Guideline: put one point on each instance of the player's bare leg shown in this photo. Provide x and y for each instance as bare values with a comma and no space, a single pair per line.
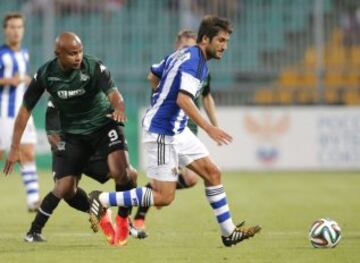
186,179
230,234
162,194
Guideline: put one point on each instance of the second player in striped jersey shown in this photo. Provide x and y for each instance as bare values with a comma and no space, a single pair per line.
14,64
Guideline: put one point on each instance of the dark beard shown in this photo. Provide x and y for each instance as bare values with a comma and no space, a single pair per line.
211,54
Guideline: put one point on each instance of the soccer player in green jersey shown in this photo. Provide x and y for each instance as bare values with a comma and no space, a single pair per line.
90,110
97,169
186,177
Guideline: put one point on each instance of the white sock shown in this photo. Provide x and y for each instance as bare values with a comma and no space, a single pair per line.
141,196
31,183
217,199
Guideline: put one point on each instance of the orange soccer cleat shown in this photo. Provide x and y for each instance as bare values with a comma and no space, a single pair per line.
121,231
139,224
106,226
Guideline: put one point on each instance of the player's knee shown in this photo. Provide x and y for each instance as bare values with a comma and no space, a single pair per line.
214,174
186,180
191,181
66,193
69,194
132,174
120,176
64,190
166,199
27,155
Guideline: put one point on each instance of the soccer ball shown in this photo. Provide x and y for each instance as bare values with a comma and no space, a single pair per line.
324,233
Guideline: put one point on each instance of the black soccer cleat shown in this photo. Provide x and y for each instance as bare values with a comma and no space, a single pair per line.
32,237
97,210
242,223
239,234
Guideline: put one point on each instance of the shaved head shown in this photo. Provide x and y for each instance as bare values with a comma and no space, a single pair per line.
67,40
69,50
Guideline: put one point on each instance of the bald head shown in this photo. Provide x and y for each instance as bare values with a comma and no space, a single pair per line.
69,50
67,40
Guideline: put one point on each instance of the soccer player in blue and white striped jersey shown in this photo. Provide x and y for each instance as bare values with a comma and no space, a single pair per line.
186,177
170,144
14,61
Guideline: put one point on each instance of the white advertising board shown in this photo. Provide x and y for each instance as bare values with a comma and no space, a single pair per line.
289,138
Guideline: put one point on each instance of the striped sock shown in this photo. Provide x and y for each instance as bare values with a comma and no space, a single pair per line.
217,199
31,183
141,196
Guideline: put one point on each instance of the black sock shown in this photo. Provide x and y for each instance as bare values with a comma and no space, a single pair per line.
124,211
142,211
181,184
79,201
48,205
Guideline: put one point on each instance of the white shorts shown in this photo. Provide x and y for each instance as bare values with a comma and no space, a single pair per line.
164,154
6,129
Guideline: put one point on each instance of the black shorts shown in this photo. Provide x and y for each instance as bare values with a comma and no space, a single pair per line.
75,151
96,168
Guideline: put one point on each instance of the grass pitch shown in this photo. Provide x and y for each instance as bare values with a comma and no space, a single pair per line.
285,204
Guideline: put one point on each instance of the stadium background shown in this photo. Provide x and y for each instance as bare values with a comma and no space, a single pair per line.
282,52
294,55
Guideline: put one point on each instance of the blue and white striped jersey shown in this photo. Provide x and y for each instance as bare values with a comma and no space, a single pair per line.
184,70
12,63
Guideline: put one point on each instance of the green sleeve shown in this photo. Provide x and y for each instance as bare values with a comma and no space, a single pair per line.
33,92
52,119
206,88
104,80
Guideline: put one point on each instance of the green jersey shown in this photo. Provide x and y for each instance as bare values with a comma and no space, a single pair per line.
80,95
205,91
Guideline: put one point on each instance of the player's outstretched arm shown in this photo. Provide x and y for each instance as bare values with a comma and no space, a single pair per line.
118,105
31,97
19,127
210,109
187,104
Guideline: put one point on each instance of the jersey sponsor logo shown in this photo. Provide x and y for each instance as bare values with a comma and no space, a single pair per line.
68,94
54,79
